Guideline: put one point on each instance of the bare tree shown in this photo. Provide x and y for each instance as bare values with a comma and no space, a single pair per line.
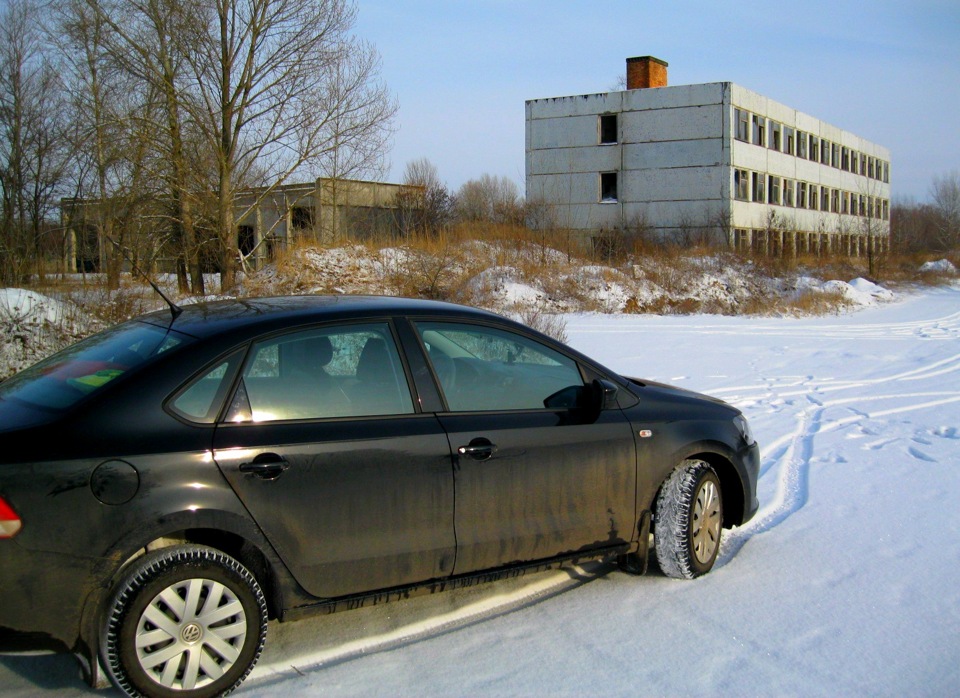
360,114
110,148
146,40
913,227
490,198
33,152
283,88
871,228
424,204
945,193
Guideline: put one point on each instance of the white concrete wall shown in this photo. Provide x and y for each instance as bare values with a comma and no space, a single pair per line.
669,155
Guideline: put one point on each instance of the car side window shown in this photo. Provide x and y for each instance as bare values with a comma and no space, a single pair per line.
201,400
347,371
483,368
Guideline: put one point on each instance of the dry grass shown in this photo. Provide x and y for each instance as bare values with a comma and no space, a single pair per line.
565,275
92,297
806,303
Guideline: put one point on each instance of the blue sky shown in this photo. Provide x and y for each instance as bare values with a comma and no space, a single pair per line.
461,70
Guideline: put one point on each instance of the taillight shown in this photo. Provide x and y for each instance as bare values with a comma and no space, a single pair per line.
9,521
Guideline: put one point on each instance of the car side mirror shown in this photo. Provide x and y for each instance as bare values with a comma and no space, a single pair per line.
606,394
600,395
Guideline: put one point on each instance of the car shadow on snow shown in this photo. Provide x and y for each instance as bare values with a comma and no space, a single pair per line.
25,673
319,643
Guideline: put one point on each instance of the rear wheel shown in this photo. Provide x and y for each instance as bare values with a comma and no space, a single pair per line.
689,520
186,621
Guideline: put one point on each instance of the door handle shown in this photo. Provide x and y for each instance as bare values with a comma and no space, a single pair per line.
478,449
266,466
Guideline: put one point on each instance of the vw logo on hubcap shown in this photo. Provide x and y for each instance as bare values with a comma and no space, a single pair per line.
191,633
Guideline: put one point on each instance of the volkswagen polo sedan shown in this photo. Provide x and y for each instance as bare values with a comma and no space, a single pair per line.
170,484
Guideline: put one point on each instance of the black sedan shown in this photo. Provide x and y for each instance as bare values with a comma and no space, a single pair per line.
168,485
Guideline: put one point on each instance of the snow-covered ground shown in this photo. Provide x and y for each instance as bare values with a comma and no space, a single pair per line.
845,583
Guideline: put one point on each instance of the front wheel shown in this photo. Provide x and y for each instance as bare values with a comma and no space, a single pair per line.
689,520
186,621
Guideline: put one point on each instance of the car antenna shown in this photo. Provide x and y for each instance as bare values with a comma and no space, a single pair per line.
175,309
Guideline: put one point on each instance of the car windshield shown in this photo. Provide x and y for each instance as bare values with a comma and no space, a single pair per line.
82,369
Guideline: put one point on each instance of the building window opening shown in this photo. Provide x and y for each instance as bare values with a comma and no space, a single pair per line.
759,130
608,129
741,240
608,187
758,189
814,148
743,125
774,190
788,192
775,136
246,239
741,185
274,245
301,218
789,136
801,145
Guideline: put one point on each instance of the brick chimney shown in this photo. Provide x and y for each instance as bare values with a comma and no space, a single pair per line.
646,71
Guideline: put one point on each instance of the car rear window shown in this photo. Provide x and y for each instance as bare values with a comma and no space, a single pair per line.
82,369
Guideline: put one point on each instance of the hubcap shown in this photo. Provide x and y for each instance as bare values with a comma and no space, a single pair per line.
707,520
190,634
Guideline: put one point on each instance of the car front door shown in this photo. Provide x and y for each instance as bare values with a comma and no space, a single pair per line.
537,475
322,443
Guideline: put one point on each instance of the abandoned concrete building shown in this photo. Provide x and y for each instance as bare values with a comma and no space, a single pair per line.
268,220
327,210
713,160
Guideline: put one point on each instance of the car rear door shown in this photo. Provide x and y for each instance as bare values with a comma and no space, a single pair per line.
323,445
537,475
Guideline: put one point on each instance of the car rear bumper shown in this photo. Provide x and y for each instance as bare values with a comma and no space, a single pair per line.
43,597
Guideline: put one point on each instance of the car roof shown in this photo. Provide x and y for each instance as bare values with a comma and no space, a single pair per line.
210,318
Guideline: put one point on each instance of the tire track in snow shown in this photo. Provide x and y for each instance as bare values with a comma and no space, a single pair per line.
733,395
790,455
793,453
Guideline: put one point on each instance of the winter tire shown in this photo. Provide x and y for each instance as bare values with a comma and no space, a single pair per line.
689,519
187,621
